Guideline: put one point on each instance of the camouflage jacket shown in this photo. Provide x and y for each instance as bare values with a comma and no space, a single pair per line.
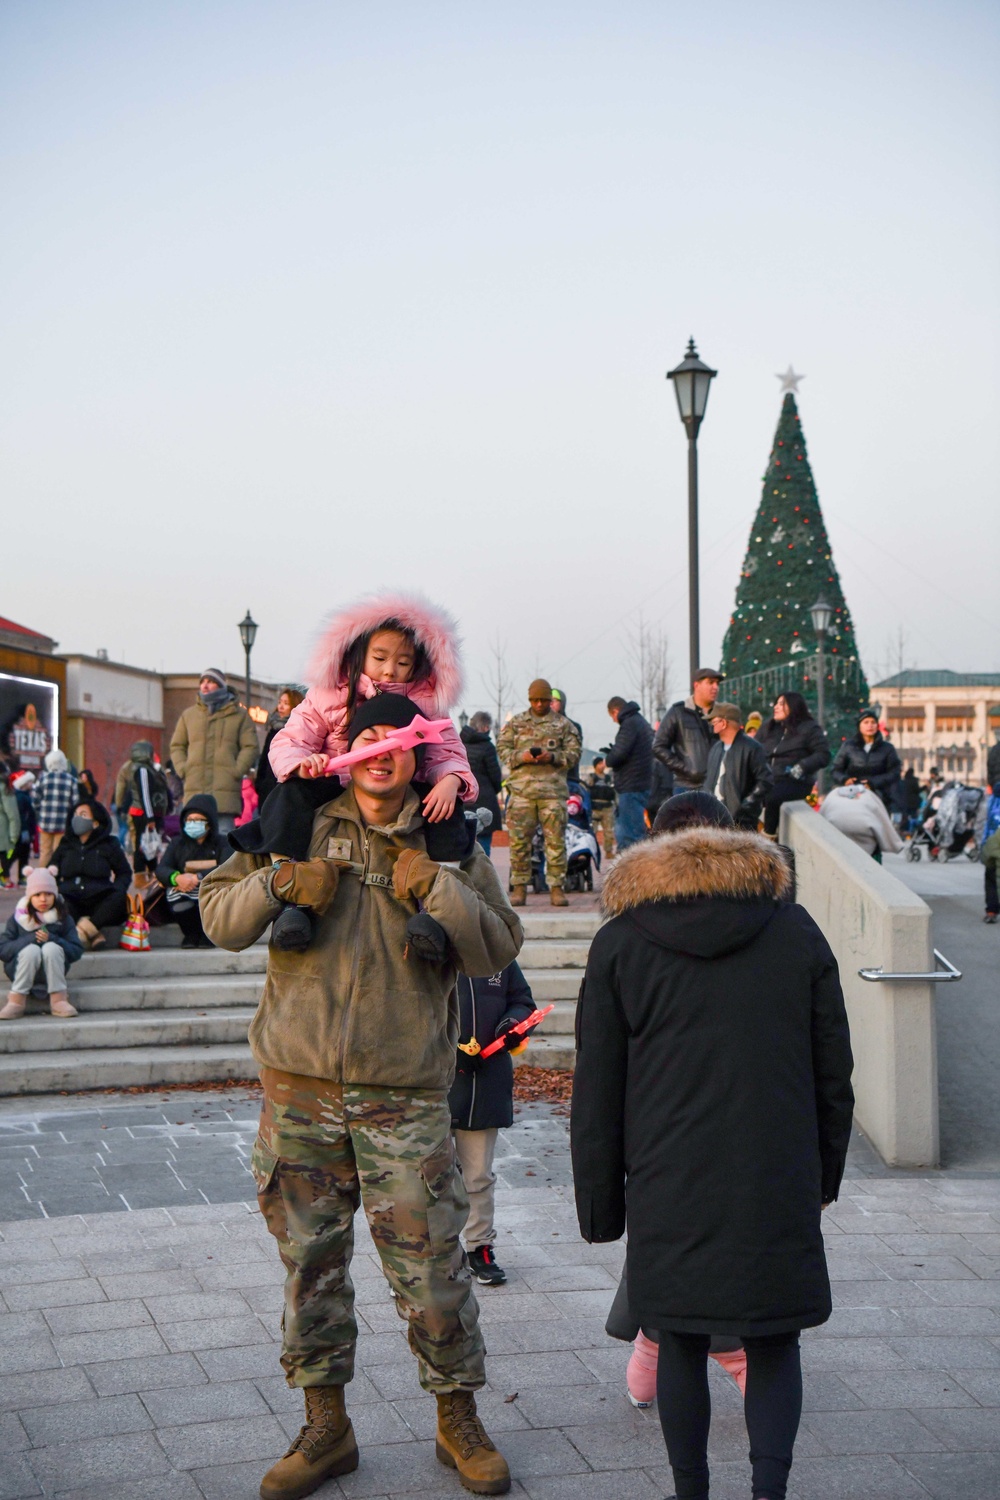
553,732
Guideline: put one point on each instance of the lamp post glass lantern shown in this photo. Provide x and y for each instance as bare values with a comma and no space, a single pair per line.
248,634
692,379
822,615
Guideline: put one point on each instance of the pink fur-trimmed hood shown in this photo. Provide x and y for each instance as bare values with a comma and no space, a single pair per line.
435,630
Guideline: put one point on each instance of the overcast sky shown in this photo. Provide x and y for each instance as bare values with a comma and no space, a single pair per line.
302,299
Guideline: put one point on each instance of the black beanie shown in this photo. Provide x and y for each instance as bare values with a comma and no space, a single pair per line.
394,709
692,810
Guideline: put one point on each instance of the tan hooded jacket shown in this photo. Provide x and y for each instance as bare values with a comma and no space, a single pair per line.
351,1008
213,752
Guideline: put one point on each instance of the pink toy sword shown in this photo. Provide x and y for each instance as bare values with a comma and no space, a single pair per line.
418,732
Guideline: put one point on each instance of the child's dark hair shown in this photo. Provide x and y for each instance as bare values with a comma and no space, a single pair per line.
354,658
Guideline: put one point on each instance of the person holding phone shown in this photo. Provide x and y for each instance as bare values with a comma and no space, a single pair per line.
536,748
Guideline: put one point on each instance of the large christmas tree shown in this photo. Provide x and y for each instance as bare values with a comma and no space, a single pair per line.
770,645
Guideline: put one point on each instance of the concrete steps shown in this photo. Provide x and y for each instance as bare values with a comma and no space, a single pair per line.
181,1016
206,1028
122,1067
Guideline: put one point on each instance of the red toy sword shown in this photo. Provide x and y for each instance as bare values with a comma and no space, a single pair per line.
518,1030
419,731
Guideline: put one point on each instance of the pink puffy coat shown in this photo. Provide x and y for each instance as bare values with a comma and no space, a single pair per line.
319,723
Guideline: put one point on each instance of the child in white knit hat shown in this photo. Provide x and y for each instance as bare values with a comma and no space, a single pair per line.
38,945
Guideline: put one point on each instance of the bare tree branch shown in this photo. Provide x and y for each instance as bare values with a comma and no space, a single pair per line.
648,655
497,682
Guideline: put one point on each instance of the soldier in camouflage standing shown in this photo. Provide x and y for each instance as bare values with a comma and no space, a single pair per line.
356,1038
535,749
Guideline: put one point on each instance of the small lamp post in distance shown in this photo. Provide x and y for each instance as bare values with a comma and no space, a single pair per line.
822,615
692,378
248,634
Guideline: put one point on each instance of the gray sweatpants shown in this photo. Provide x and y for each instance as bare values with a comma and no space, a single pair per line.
37,959
475,1150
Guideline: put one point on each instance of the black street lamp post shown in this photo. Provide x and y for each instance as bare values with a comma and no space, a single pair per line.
692,378
822,614
248,634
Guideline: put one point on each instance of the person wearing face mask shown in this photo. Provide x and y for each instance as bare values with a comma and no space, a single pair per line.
198,848
214,746
92,872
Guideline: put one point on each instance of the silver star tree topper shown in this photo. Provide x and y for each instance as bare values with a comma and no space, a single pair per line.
790,381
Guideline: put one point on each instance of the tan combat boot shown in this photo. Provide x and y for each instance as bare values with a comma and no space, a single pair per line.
323,1448
462,1444
519,895
557,896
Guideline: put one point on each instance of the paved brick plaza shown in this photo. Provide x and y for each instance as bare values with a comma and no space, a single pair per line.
138,1354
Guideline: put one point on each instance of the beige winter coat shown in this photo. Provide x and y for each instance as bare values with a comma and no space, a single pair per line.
213,752
351,1008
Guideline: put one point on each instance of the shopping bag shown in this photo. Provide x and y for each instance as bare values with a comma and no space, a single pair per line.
135,933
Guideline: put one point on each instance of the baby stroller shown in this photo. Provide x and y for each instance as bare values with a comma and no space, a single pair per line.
582,850
951,830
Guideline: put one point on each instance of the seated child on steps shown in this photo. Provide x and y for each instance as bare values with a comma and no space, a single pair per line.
37,947
387,644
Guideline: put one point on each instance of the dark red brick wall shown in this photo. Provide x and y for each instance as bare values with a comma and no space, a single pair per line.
106,744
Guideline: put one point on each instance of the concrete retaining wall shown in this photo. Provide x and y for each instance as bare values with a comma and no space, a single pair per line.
871,920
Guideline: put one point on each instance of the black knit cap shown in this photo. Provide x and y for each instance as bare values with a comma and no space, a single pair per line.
394,709
692,810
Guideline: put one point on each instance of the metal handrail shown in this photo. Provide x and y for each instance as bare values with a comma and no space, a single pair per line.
939,976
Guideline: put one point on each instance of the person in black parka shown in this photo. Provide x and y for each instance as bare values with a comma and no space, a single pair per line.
92,872
485,767
713,1084
869,757
482,1099
186,861
796,749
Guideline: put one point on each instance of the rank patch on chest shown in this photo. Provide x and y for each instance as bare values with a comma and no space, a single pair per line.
338,849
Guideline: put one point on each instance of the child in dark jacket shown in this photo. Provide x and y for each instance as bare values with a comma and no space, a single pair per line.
38,945
482,1100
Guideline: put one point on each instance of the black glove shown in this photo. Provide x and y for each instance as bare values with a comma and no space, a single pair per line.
511,1039
426,938
796,772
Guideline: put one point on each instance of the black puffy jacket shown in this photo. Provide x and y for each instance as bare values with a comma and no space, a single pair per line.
631,755
879,766
682,743
802,745
482,1096
713,1080
485,767
95,866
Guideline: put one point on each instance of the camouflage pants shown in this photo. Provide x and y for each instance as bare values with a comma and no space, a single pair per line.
322,1149
524,813
604,819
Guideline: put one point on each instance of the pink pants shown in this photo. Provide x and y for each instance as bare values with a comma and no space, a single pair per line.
640,1377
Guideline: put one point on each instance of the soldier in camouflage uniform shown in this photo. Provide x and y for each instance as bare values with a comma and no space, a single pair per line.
535,748
357,1038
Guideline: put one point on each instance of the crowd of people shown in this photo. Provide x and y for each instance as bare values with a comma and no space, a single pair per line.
711,1108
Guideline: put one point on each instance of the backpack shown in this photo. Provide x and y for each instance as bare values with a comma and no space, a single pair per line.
159,791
